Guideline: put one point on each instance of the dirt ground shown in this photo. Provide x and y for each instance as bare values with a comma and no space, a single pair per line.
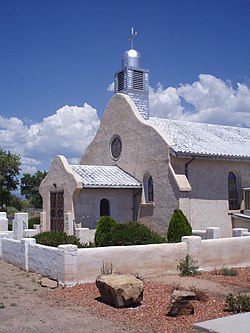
27,307
24,308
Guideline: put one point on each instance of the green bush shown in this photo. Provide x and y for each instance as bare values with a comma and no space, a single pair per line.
239,303
55,238
178,227
188,266
32,221
104,226
229,271
131,234
11,211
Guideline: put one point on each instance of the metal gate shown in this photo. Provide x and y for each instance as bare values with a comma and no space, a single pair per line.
56,211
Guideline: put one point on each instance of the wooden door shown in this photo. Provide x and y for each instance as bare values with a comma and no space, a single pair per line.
56,211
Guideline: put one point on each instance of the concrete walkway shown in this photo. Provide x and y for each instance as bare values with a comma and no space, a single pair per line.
239,323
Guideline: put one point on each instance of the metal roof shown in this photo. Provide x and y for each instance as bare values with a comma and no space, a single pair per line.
94,176
201,139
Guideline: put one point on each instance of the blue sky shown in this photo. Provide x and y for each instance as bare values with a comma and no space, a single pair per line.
55,53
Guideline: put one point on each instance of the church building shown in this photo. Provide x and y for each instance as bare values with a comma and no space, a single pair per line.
140,168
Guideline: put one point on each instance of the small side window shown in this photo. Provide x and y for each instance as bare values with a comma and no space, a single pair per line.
104,207
233,191
148,188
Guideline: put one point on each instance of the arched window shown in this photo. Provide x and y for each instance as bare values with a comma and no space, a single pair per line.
104,207
233,191
148,188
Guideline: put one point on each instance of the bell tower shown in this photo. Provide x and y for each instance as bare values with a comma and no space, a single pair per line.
132,80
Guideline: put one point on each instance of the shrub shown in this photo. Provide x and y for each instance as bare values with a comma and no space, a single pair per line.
104,226
229,271
131,234
178,227
188,266
55,238
239,303
107,268
32,221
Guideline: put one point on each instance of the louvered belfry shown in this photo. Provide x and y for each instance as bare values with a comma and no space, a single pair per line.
132,80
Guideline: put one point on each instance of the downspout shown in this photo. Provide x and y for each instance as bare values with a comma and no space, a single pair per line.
186,166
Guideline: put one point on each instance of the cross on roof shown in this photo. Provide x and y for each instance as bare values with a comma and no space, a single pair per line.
131,37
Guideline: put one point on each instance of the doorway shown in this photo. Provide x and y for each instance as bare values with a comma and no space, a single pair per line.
104,207
57,211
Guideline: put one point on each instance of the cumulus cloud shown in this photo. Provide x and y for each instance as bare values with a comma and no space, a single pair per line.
209,99
165,103
67,132
111,87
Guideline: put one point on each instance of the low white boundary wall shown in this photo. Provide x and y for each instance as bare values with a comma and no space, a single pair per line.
69,265
147,260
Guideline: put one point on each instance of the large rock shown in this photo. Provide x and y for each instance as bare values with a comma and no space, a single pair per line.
181,304
120,290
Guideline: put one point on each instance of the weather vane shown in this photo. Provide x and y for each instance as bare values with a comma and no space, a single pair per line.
131,37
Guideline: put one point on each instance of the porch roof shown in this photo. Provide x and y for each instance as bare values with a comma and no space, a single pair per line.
98,176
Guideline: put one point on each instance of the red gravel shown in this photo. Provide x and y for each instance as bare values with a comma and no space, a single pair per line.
150,315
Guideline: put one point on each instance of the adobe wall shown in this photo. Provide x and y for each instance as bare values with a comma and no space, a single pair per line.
207,203
87,205
69,265
228,252
144,150
59,178
146,260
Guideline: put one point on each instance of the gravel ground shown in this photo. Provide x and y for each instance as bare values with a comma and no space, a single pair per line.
27,307
150,316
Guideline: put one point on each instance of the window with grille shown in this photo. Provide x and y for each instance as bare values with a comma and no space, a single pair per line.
137,80
148,188
233,191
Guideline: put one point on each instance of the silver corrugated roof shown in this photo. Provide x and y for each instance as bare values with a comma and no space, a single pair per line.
105,177
201,139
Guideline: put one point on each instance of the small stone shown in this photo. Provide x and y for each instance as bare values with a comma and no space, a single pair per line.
47,283
181,304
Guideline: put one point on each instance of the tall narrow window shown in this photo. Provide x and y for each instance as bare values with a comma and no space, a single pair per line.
148,188
233,191
104,207
247,198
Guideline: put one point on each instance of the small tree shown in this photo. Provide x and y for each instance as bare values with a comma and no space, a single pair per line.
9,171
178,227
104,226
30,187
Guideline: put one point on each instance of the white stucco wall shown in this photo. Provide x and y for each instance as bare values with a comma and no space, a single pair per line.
228,252
207,203
147,260
45,260
70,265
12,252
87,205
59,178
144,150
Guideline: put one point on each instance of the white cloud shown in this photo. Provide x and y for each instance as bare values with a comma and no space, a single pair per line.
209,100
67,132
165,103
111,87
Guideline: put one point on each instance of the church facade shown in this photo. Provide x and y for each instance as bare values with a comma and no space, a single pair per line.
140,168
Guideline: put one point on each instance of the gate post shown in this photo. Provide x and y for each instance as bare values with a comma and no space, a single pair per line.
20,220
68,223
67,273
